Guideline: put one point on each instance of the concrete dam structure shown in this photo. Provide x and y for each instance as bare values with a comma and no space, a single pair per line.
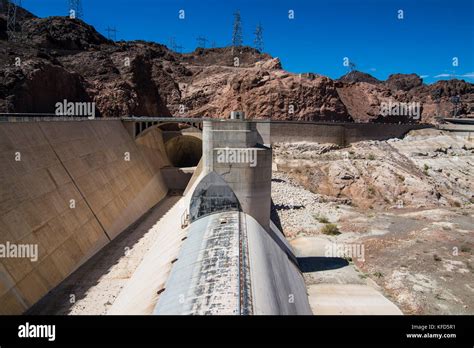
71,187
235,261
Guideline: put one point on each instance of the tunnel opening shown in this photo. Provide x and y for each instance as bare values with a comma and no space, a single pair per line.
184,151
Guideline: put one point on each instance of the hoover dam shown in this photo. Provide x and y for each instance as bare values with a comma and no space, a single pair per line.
74,186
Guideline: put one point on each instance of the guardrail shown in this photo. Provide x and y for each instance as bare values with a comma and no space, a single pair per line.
45,117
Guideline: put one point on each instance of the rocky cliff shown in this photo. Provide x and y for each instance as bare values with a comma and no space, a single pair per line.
59,58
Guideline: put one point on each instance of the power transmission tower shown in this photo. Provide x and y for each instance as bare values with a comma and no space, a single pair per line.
111,33
352,66
172,43
237,38
436,96
456,100
13,35
174,46
258,42
201,41
76,6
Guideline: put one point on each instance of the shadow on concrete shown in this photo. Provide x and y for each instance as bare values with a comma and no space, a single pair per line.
58,300
319,263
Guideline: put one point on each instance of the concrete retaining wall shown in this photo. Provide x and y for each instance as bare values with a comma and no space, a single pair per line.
343,134
61,162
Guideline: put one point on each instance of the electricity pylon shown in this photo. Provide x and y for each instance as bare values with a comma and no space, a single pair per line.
76,6
237,38
13,35
201,41
111,33
258,42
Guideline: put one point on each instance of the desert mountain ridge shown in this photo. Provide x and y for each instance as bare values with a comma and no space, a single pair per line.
60,58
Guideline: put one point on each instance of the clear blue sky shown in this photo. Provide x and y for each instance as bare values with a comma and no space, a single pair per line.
321,35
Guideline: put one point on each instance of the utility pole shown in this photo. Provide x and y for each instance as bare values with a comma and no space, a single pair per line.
237,38
13,35
201,41
111,33
75,9
258,42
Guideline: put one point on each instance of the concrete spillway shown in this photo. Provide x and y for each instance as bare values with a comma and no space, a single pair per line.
231,265
233,260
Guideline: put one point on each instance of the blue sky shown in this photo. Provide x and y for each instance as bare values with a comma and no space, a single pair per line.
322,33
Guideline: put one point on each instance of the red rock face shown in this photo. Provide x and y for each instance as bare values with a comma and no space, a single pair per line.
77,63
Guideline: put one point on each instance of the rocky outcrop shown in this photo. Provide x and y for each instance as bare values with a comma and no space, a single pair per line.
358,76
37,86
62,33
263,91
404,82
428,168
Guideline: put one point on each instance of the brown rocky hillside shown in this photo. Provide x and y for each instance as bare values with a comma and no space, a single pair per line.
60,58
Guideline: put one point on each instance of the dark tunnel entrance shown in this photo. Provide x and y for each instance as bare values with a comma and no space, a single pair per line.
184,151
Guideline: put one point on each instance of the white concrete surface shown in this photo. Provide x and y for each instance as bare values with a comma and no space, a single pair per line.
339,290
140,295
349,299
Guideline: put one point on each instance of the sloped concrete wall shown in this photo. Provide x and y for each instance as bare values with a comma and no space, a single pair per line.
151,144
60,162
278,287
